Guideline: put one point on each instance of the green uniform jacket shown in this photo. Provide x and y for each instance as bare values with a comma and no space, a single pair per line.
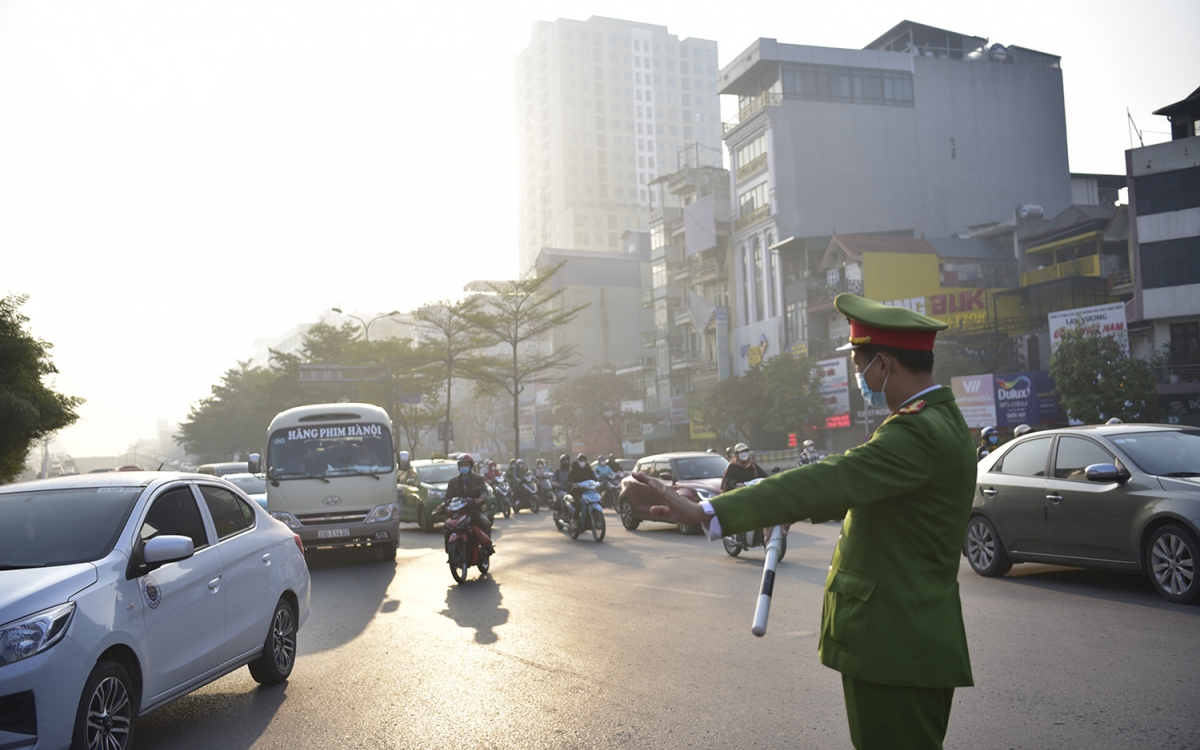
892,614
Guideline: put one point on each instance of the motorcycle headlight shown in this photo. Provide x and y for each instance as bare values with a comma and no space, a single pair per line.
288,519
382,513
21,639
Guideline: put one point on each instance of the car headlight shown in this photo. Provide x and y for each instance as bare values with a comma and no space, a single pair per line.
437,494
21,639
382,513
704,494
289,519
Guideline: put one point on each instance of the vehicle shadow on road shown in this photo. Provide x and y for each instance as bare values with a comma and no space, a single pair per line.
185,723
1108,586
351,586
476,605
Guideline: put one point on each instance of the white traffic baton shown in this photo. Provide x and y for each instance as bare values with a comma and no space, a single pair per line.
763,608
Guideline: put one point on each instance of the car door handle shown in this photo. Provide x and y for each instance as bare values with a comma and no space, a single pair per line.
266,558
1054,497
990,492
214,584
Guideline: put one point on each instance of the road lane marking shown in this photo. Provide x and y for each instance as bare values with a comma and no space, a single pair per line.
683,591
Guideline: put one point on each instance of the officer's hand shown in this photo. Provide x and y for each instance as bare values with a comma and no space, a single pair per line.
644,491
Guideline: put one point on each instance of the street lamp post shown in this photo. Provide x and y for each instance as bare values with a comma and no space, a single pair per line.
366,324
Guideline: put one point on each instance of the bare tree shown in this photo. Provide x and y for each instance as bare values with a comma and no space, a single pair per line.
449,330
520,314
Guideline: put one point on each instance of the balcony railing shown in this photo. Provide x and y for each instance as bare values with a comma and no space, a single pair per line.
1087,266
819,290
701,269
753,166
1121,278
752,218
1177,373
766,99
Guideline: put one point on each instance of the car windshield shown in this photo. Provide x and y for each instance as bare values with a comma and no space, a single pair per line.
329,450
700,467
41,528
438,473
1166,453
248,483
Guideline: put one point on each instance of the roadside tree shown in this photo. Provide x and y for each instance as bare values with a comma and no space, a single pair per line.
1096,380
453,337
592,408
29,409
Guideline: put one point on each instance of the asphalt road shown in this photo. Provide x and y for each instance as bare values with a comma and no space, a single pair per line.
643,641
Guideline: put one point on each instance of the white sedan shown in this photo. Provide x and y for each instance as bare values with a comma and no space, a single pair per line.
121,592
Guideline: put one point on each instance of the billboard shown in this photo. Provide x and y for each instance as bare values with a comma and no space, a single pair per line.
1105,320
1007,400
976,397
835,391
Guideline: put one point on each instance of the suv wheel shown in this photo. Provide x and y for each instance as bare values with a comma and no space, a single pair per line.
627,519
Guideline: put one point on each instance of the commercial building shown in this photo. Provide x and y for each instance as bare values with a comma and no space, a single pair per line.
603,107
1164,206
924,132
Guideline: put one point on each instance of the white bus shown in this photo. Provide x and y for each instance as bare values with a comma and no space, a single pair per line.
331,476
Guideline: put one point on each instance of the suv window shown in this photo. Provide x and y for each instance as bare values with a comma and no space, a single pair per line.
174,513
1027,459
230,515
1075,454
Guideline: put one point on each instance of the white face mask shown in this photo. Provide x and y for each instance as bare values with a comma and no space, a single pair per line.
744,456
582,464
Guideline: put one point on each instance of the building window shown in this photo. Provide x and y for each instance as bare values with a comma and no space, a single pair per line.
658,237
1170,263
795,323
826,83
752,199
658,275
1168,191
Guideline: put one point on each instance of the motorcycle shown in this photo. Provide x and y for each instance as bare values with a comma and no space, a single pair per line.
611,489
503,495
582,511
525,494
467,544
735,543
545,490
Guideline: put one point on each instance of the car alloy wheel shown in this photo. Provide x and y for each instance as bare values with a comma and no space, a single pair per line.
1172,564
274,664
984,550
106,714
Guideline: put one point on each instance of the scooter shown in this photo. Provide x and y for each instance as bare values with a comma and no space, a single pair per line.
585,497
503,495
735,543
525,495
612,489
467,544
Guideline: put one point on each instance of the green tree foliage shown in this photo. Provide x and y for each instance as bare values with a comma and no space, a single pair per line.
591,408
520,314
449,328
233,419
29,410
1097,380
782,395
953,359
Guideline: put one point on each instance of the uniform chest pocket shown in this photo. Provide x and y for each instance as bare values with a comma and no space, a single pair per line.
847,609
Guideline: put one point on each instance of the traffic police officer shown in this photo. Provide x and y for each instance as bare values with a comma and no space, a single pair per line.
892,621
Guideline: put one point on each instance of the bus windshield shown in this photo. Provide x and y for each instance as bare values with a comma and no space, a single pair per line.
329,450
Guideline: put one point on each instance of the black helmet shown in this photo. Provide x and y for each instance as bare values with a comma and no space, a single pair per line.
581,457
564,459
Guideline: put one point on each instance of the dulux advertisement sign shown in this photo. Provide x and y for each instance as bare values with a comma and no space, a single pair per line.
1012,399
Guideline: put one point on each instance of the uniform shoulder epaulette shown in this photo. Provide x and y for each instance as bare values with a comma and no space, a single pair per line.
914,407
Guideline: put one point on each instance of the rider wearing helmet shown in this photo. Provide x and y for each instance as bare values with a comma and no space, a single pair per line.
1022,429
809,455
580,471
741,469
471,486
989,438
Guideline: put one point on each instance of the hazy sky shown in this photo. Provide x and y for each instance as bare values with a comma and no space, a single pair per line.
178,179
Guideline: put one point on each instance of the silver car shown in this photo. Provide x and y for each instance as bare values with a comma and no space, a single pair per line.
123,591
1116,497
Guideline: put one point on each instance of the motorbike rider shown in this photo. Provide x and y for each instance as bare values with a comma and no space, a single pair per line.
558,481
470,486
740,470
603,471
580,472
492,473
809,455
989,438
404,469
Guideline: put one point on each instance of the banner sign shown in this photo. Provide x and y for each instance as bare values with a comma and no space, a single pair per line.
1007,400
1100,320
835,391
333,431
976,399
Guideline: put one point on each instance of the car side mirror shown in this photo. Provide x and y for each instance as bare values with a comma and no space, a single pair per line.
1105,473
254,464
666,476
167,549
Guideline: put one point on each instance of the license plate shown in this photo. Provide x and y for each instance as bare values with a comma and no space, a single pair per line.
331,533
